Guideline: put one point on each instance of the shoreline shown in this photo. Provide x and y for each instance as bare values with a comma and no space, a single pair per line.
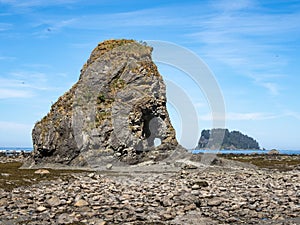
279,161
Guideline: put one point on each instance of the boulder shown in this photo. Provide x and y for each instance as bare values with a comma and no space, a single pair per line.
112,115
273,152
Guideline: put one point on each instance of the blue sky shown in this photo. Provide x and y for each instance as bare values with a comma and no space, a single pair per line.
252,47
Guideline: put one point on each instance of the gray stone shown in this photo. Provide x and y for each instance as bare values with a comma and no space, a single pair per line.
273,152
195,187
42,171
41,209
54,201
81,203
109,166
198,184
215,201
64,219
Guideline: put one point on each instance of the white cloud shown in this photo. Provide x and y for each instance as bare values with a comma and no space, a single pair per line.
251,116
142,18
5,125
248,41
273,88
27,79
23,84
233,116
268,81
13,93
10,82
5,26
229,5
296,115
151,17
241,116
35,3
48,26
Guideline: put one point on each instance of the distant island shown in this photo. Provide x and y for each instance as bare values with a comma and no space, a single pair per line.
232,140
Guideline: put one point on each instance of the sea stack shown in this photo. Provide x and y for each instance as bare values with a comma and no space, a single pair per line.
114,114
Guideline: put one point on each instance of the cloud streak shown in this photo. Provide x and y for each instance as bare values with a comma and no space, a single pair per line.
139,18
250,41
36,3
232,116
255,116
23,84
14,93
5,26
47,27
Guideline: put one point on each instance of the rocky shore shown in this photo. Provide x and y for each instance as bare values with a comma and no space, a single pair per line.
217,194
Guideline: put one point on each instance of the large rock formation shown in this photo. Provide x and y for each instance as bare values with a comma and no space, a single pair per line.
115,113
231,140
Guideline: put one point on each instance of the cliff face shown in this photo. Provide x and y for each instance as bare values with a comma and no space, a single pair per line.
112,114
232,140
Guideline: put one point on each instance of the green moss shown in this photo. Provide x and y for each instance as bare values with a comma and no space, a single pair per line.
101,98
117,84
103,109
282,163
26,177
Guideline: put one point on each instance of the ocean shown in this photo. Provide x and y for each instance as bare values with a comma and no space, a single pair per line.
17,149
286,152
242,151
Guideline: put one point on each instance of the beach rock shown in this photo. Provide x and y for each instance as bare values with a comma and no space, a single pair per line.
41,171
235,195
64,219
200,183
109,166
273,152
112,114
215,201
5,174
81,203
54,201
41,209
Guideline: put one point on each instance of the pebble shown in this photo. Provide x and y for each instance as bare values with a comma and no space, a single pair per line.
5,174
41,209
81,203
54,201
109,166
64,219
218,195
41,171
